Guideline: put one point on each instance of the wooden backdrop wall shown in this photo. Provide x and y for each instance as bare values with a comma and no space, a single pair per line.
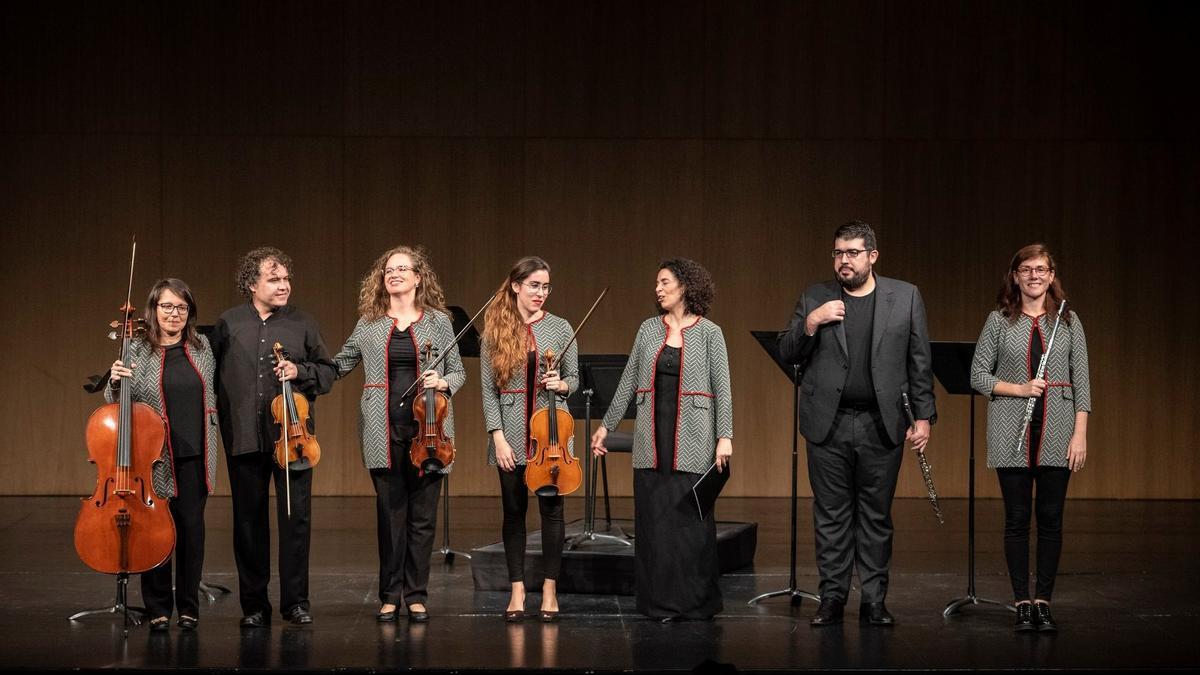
606,136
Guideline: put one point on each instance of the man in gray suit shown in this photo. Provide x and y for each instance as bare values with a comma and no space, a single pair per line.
861,341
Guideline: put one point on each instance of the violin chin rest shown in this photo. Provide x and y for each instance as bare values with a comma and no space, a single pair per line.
547,491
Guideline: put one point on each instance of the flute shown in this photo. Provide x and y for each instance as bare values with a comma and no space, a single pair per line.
926,470
1041,371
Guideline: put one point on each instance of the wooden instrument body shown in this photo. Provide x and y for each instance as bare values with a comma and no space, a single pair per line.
552,471
431,449
296,448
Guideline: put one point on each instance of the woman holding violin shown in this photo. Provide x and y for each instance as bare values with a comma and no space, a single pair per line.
679,371
517,333
171,370
403,321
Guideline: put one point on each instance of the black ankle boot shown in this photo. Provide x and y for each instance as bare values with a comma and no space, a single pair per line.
1024,621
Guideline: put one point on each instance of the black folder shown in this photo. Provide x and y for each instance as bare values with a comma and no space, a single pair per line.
706,490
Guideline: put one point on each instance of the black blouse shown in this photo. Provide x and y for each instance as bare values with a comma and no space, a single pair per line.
183,396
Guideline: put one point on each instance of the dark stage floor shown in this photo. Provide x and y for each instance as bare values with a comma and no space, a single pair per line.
1127,598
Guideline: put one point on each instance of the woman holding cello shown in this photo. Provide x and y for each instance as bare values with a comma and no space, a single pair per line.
517,332
679,372
171,370
402,311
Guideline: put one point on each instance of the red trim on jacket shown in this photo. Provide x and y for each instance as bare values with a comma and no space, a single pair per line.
537,371
187,351
678,395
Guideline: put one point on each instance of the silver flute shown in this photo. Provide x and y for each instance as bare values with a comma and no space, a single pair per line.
1041,371
926,470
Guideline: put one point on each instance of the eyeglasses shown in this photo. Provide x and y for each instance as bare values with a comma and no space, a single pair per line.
388,271
537,287
169,309
850,253
1025,271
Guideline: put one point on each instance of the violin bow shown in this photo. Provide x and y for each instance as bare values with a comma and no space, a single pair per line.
552,366
445,352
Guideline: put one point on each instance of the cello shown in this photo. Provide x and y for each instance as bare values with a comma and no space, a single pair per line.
123,528
553,471
431,449
296,449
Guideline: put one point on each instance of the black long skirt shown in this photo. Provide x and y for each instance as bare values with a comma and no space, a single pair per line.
675,552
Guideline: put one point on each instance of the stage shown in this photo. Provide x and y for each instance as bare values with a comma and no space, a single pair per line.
1127,598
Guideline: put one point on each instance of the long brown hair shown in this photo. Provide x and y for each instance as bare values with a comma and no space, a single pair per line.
503,328
373,296
153,330
1008,300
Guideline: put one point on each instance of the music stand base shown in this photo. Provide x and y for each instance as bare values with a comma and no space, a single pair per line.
797,596
586,537
955,605
210,590
450,553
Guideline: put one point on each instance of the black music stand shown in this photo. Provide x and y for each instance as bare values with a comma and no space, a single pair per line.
769,341
468,345
952,367
599,375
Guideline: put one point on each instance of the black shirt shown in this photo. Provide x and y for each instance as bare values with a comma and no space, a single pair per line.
183,395
246,382
402,372
1035,359
859,390
666,406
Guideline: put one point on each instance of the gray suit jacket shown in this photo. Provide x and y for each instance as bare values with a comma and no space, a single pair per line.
900,359
369,344
1002,353
146,386
505,408
704,411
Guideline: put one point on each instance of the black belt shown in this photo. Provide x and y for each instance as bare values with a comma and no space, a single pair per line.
865,407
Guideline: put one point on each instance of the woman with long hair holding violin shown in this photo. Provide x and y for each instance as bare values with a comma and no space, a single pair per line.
171,370
1034,446
403,320
517,333
679,372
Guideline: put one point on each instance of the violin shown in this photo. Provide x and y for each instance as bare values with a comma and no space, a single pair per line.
296,449
124,528
431,449
552,471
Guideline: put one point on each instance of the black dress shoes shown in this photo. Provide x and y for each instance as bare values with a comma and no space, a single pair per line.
188,622
299,616
418,615
160,624
1024,622
876,614
256,620
386,617
1043,618
829,613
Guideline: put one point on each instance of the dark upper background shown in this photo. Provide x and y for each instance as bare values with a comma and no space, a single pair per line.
606,136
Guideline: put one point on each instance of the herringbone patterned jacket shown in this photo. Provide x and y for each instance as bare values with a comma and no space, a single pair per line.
368,343
1002,354
505,408
705,404
147,388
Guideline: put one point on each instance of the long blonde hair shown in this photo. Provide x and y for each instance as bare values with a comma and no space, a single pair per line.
503,328
373,297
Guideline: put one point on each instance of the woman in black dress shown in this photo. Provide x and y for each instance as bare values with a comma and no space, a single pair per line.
679,372
171,370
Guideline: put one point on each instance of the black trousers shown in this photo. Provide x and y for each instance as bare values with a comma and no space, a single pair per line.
1017,488
249,481
853,477
187,510
406,520
514,497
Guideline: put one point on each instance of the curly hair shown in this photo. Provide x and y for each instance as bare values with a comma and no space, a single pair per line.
502,333
250,264
1008,300
373,296
154,332
698,287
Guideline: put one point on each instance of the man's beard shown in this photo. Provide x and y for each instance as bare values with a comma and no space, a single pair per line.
856,281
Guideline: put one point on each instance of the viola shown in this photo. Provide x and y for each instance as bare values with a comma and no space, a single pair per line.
296,449
431,449
552,471
124,528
